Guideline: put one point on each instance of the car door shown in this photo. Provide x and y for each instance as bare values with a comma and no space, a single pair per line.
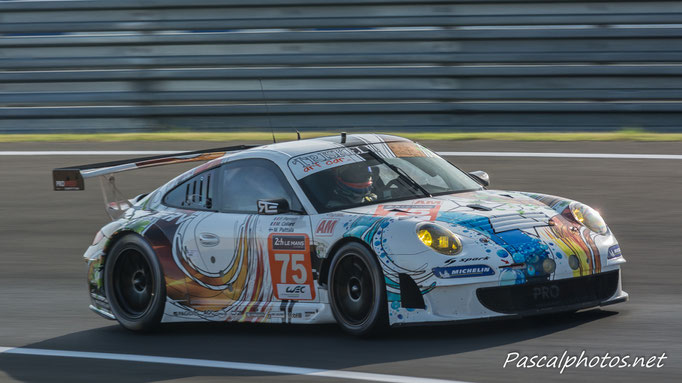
197,250
257,257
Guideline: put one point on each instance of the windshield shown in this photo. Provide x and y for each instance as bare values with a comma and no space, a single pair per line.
375,173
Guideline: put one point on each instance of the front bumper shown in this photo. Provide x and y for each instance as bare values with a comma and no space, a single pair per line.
485,301
531,298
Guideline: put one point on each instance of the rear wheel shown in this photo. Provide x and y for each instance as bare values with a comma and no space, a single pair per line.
134,284
357,291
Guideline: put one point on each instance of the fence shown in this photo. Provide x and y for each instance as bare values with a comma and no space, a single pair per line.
341,64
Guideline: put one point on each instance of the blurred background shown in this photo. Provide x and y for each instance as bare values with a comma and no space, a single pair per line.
399,65
487,83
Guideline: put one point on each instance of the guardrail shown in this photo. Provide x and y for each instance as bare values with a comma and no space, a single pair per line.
345,64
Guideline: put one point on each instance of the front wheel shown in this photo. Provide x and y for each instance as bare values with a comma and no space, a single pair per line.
357,291
134,284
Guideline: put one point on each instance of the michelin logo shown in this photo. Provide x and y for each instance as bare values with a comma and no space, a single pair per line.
614,252
463,271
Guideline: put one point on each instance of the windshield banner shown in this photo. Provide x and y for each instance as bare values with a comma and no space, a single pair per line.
311,163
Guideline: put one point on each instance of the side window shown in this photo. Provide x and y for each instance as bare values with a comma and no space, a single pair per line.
244,182
196,193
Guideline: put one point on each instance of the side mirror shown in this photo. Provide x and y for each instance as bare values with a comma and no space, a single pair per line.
481,177
272,206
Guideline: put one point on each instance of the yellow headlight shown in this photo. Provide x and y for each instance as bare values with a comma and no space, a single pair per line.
439,238
425,237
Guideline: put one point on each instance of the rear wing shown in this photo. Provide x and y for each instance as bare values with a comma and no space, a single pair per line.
73,177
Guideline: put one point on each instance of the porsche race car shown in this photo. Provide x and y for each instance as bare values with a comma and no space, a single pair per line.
368,231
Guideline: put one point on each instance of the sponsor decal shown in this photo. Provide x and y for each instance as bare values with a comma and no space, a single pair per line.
290,266
293,291
614,252
185,313
405,149
68,184
256,314
425,209
466,259
326,227
289,242
265,207
543,293
462,271
276,315
312,163
471,259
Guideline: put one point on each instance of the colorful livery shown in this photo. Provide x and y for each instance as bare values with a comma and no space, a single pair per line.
368,231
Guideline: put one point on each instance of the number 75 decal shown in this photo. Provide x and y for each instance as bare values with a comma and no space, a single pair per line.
290,266
298,272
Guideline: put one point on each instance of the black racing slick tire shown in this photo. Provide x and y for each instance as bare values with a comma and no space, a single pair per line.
134,284
357,292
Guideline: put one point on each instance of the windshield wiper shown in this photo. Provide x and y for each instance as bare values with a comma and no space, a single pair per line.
401,173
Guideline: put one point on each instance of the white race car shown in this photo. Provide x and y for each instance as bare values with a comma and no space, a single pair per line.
367,231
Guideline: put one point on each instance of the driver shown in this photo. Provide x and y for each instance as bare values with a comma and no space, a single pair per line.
353,185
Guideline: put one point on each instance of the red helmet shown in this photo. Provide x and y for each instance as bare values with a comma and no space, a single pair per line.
354,180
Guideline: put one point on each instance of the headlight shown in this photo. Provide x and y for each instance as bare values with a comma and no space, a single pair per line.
439,238
588,217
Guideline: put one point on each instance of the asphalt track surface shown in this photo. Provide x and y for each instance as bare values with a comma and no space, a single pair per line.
43,299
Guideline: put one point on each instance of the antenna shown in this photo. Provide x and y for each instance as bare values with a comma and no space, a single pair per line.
267,110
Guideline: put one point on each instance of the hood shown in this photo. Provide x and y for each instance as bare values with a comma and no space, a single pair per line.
524,236
510,208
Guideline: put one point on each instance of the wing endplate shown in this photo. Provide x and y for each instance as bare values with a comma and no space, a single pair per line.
67,179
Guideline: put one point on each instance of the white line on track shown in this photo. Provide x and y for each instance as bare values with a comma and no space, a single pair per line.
269,368
88,152
566,155
461,154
